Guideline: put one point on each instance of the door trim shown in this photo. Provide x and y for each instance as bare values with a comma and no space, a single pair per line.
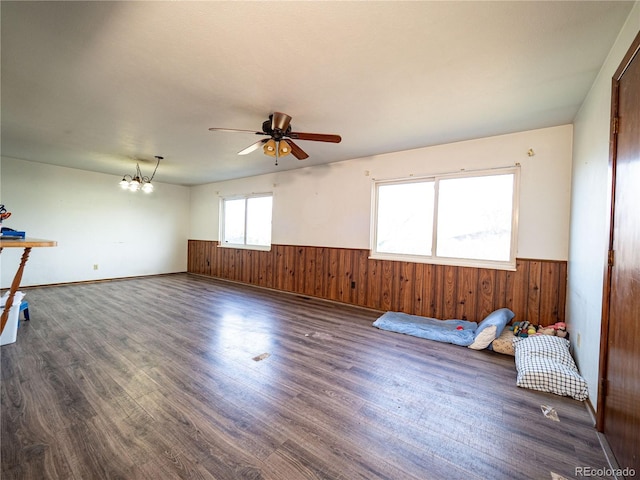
611,179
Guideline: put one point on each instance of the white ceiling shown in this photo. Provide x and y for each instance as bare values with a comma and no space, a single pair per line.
101,85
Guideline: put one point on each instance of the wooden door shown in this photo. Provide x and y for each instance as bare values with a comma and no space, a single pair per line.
619,400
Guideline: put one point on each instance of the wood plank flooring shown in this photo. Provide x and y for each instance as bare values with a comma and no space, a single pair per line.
155,378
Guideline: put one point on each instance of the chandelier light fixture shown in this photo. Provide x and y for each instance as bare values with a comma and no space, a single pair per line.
137,181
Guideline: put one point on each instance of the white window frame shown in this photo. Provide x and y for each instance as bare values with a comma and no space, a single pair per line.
244,246
433,258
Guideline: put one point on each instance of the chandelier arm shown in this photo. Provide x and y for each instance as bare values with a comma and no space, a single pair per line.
155,169
137,180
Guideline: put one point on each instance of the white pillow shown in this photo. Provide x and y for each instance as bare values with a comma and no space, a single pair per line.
484,338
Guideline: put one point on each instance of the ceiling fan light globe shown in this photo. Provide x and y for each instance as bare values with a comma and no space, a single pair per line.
283,148
270,148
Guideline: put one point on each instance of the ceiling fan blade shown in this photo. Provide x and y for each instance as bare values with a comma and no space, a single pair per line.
317,137
296,150
253,147
235,130
280,121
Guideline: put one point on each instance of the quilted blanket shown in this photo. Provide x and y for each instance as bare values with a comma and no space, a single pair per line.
447,331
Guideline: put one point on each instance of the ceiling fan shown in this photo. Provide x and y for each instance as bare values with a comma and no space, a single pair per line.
280,138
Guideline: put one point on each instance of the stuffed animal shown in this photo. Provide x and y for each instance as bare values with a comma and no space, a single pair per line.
521,329
546,330
561,329
525,329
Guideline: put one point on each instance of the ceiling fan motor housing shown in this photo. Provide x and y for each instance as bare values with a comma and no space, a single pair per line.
276,130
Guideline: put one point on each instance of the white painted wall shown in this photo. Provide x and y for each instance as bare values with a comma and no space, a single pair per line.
590,211
134,234
94,221
330,205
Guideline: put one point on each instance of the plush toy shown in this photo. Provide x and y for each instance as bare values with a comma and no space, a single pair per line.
521,329
546,330
561,330
525,329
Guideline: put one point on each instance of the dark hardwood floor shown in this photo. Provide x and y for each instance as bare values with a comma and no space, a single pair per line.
180,376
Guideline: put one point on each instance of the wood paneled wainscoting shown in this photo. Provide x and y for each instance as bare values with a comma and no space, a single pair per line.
535,291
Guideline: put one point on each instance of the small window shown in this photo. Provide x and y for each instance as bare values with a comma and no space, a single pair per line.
467,219
246,221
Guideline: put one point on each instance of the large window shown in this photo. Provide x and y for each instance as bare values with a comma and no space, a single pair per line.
246,221
460,219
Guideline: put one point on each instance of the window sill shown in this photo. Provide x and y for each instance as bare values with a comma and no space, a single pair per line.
263,248
456,262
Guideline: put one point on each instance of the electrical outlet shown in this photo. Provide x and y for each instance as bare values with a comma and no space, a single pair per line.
578,339
95,266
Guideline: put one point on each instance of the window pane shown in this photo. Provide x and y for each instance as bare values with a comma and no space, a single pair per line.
259,221
474,217
234,221
405,218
